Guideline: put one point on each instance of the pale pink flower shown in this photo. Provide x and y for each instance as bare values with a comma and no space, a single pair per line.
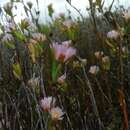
7,38
94,69
61,79
47,103
68,23
113,34
69,53
56,113
63,52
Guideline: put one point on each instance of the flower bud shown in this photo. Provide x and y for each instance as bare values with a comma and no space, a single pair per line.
94,69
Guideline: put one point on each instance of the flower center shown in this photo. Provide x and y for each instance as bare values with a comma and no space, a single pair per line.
62,57
56,115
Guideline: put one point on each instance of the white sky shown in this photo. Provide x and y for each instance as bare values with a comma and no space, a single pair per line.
60,6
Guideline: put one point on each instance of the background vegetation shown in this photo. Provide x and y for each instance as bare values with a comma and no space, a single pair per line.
91,87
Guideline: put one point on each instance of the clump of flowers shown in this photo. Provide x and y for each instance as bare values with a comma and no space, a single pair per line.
63,51
48,105
113,34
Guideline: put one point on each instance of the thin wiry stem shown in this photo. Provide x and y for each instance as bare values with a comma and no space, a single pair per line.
68,118
76,10
100,88
95,109
16,110
33,94
42,82
29,102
